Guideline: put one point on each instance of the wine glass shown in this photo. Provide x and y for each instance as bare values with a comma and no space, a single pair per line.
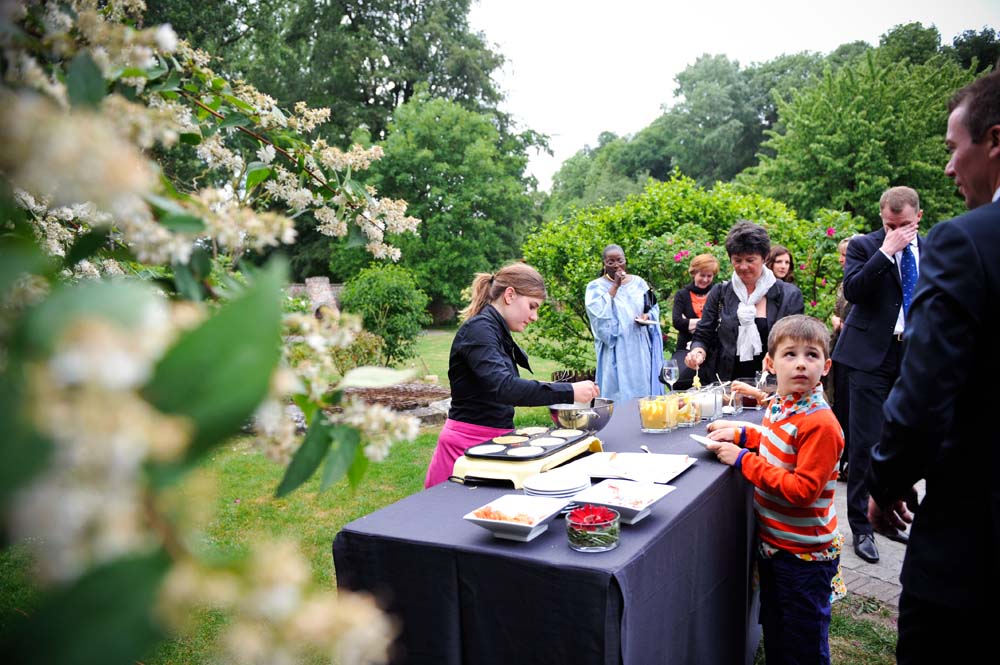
670,373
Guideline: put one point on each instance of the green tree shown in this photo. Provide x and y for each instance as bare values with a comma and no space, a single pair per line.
910,41
865,128
360,58
982,47
465,180
595,175
712,126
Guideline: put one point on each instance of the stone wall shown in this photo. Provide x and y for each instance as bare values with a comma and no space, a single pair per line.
319,290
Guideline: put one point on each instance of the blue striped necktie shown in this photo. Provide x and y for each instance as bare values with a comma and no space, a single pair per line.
908,274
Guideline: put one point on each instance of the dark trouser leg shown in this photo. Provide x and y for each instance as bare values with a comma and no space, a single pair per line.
795,609
868,393
923,625
842,404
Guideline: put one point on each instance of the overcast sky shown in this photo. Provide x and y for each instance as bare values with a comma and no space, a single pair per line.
576,68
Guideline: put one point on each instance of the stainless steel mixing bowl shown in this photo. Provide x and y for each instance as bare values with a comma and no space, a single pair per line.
581,415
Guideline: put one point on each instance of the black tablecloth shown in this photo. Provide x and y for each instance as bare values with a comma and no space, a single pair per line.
676,590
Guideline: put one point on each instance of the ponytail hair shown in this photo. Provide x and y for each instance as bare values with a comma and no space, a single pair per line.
487,287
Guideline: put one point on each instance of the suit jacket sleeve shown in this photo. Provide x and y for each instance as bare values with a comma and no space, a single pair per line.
947,314
864,269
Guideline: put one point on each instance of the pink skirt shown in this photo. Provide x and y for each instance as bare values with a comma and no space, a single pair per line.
455,438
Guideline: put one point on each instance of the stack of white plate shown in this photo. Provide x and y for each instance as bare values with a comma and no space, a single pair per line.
556,484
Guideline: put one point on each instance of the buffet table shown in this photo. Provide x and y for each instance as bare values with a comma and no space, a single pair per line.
676,590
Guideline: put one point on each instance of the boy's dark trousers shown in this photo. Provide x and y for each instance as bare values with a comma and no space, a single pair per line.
795,609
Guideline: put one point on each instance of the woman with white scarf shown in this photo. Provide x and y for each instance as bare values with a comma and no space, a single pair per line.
740,312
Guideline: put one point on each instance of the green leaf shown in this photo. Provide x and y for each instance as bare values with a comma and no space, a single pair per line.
165,206
218,373
237,102
201,263
257,173
183,223
190,138
374,377
307,458
84,82
309,407
86,245
104,618
131,73
358,468
185,283
355,236
156,71
19,257
172,82
23,453
346,443
235,119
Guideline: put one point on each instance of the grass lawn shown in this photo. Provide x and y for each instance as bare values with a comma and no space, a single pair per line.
863,631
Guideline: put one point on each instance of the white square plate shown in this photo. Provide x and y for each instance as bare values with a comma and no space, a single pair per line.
630,498
703,440
535,512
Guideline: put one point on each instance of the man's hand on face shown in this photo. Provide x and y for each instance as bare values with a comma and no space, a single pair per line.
899,237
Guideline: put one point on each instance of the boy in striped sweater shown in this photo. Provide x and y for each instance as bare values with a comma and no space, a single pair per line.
792,462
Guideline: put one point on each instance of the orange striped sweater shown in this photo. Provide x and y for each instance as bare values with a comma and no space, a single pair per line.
795,475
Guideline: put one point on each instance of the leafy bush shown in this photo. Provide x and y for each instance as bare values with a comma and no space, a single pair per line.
568,251
818,270
668,258
392,306
363,351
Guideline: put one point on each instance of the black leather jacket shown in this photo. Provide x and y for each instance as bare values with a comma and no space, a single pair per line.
719,324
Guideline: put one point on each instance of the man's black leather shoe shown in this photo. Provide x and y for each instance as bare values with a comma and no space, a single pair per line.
894,534
864,547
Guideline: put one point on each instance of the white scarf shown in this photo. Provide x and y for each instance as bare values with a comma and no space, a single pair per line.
748,343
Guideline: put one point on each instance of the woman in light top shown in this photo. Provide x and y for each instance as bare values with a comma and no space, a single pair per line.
482,367
624,319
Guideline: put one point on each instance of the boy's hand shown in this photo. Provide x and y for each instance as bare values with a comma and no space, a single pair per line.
726,452
747,389
717,425
723,434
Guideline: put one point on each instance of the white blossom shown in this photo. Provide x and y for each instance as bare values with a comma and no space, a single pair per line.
266,154
166,38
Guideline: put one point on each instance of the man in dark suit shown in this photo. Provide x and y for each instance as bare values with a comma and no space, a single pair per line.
880,275
940,422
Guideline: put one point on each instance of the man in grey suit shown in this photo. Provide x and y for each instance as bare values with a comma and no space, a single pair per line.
940,423
880,276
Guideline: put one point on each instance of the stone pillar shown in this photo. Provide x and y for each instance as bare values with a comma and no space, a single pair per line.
320,292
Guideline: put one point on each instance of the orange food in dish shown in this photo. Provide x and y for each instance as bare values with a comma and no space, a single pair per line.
488,513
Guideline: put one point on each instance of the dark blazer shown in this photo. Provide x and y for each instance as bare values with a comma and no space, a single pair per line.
872,285
683,312
940,422
485,383
719,324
